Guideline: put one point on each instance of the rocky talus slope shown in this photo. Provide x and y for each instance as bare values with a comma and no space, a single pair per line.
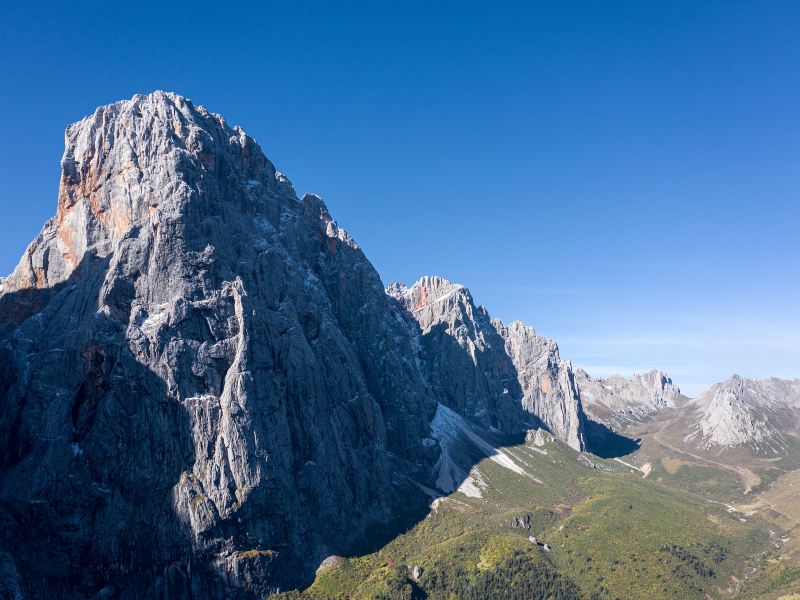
205,389
755,413
486,370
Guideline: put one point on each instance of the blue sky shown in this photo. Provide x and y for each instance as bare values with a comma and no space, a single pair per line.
622,175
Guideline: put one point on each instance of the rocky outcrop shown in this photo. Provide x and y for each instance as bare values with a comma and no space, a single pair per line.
617,401
461,355
205,389
486,370
756,413
547,382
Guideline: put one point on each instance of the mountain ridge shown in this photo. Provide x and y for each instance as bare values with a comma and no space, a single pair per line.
184,295
460,341
208,390
742,411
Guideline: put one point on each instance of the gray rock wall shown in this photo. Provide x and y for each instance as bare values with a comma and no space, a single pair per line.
547,381
199,368
506,376
617,401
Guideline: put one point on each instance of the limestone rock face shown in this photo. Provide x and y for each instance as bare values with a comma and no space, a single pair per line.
617,400
488,371
205,389
746,412
547,381
462,356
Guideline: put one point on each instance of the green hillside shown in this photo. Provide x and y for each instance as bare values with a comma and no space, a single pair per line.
611,533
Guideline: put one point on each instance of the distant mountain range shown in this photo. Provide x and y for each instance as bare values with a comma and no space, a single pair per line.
208,392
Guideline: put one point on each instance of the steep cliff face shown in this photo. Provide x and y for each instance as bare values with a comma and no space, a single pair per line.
547,381
508,377
205,388
617,400
462,356
755,413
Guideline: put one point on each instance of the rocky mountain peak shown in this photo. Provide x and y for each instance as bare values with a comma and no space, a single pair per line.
202,352
426,295
134,161
460,354
547,382
746,412
524,339
505,376
617,400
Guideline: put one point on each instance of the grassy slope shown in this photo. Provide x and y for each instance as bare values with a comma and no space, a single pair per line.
732,475
613,534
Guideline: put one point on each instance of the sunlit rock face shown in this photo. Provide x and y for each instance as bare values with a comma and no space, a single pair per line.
507,377
756,413
205,388
618,400
547,382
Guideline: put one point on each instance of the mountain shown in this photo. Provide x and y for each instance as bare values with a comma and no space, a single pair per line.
205,388
754,413
207,392
547,381
737,439
617,401
219,371
486,370
460,353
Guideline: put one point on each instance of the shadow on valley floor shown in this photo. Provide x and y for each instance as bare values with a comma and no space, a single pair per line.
606,443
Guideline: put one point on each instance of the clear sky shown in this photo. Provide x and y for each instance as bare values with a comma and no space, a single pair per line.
624,176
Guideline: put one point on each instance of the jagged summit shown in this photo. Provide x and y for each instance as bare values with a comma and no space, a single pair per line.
487,370
461,355
202,352
618,400
548,382
428,290
746,412
129,164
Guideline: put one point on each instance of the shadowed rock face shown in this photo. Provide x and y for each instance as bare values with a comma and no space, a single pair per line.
204,386
462,356
508,377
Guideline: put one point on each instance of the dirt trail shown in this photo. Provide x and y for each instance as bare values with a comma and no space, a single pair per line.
644,469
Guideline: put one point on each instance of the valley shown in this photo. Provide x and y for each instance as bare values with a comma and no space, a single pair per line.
611,534
207,391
